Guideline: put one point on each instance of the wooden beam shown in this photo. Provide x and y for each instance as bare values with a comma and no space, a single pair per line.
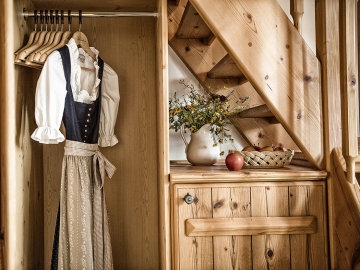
297,11
250,226
348,79
277,62
163,135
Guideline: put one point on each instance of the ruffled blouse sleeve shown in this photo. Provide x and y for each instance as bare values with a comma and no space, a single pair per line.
110,99
49,101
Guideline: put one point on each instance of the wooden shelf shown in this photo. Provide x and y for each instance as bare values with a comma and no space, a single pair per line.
219,173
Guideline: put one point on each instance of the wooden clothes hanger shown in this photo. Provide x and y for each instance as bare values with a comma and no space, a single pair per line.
23,54
56,37
81,39
65,37
34,35
48,39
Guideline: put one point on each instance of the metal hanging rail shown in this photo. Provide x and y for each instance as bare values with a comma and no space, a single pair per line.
100,14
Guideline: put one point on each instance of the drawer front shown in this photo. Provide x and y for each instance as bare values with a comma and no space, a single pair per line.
243,226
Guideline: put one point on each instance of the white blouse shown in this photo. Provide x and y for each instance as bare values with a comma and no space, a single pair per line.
51,92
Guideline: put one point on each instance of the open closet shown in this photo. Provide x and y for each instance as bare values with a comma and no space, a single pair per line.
131,36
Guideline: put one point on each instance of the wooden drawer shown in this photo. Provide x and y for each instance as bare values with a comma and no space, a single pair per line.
291,234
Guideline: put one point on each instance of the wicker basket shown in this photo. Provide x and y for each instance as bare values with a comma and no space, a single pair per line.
266,159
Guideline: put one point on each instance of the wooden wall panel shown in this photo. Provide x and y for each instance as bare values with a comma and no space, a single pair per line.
21,158
128,46
260,251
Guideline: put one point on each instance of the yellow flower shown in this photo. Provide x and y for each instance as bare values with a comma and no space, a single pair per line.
221,153
193,128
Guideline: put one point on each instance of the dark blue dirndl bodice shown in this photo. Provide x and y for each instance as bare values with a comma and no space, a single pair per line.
81,120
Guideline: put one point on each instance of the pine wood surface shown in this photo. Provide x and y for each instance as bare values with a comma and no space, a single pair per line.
192,26
297,11
200,59
234,201
219,173
327,49
283,75
348,82
226,68
346,215
250,226
21,158
163,136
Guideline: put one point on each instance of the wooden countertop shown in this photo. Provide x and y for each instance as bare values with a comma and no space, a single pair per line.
186,173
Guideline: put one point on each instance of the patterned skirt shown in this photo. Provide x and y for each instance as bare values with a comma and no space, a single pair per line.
83,229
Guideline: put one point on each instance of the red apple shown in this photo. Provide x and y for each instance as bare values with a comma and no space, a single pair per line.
234,161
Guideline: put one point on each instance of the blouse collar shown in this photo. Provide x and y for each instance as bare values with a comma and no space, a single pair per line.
81,95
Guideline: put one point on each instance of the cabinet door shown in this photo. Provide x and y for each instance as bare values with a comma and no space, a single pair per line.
221,245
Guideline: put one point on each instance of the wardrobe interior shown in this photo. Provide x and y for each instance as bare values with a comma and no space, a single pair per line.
131,45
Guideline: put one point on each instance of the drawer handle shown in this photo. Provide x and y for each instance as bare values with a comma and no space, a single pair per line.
189,199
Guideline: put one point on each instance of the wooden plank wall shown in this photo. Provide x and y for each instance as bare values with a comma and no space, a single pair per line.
128,46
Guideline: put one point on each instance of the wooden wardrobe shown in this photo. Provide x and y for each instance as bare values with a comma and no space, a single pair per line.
136,48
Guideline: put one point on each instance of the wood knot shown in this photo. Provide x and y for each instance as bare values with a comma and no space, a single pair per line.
353,81
260,135
235,205
196,14
250,44
270,253
249,16
287,46
291,195
307,78
281,59
196,200
217,205
196,26
266,77
225,248
299,116
267,188
187,48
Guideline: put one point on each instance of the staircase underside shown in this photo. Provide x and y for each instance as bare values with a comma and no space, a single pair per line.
244,50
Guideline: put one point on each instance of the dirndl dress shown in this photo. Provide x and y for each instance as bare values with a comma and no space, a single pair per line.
82,238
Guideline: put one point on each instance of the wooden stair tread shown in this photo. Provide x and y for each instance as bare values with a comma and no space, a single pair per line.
255,112
192,26
226,68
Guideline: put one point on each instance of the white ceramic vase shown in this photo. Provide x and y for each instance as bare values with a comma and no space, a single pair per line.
201,150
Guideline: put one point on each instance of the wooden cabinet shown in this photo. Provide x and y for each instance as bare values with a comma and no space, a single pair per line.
249,225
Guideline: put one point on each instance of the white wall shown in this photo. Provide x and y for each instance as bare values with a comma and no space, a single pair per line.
178,71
